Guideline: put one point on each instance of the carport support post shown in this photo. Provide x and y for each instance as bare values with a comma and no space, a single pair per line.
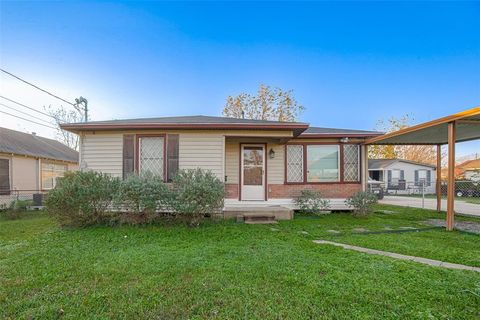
451,176
438,187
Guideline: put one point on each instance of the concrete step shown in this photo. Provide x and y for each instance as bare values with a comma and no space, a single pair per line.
259,213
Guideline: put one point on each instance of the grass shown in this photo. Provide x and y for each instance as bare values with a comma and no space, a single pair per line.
228,270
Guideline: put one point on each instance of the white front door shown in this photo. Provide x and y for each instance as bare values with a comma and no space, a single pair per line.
253,172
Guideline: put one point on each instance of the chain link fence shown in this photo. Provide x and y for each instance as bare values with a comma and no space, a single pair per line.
35,198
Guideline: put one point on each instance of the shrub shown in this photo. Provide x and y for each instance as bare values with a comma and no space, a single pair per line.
195,193
139,197
81,198
311,201
362,203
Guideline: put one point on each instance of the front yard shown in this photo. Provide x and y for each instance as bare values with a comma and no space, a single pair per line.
229,270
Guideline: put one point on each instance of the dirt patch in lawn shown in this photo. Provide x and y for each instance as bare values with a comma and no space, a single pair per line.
468,226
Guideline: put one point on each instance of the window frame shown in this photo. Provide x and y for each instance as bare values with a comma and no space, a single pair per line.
8,192
54,163
137,151
341,164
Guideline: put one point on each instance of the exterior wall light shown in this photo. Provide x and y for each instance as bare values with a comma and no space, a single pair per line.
271,154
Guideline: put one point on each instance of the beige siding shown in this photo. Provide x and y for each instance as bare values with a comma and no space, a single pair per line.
232,158
24,173
103,153
203,151
276,166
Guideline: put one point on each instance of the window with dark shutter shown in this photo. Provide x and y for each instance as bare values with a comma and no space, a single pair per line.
172,155
128,155
4,177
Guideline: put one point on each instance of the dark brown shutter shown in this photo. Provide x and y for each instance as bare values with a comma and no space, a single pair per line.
172,156
128,155
4,177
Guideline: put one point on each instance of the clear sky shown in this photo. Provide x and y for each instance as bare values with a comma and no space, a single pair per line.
349,63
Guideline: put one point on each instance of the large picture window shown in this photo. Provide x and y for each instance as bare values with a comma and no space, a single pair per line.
50,173
322,163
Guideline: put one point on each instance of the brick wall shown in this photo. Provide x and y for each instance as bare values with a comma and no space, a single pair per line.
231,190
334,190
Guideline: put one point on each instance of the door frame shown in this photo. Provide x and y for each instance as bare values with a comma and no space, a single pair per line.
240,167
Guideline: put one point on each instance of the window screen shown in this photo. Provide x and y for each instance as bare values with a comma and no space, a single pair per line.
295,163
151,157
351,163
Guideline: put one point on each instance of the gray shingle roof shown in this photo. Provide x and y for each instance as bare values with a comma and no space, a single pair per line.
186,120
16,142
326,131
374,164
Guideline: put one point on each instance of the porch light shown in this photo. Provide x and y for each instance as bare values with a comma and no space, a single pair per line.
271,154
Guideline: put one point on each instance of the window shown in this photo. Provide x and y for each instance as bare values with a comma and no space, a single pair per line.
322,163
422,177
351,162
395,177
4,177
295,163
50,173
151,155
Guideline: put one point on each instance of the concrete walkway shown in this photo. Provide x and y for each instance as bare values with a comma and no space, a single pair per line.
430,262
461,207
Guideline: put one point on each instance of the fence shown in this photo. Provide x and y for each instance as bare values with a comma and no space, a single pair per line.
36,197
463,188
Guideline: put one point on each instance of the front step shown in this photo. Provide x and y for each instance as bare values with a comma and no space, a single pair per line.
258,218
278,212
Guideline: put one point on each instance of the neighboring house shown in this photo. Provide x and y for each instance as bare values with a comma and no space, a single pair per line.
268,162
30,164
403,176
469,170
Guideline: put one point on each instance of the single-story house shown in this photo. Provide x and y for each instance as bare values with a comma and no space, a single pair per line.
469,170
31,164
260,162
403,176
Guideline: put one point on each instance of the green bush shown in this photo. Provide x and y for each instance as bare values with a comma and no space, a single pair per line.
81,198
311,201
194,194
139,198
362,203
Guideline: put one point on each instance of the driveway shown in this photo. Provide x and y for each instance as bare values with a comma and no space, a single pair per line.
461,207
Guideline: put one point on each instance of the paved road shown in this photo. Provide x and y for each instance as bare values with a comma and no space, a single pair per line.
460,206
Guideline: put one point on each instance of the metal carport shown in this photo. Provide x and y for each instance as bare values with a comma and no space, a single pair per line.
459,127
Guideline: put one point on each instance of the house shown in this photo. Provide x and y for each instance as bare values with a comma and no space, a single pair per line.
261,162
30,164
403,176
469,170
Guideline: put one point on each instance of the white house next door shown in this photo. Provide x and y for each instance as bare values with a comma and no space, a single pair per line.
253,172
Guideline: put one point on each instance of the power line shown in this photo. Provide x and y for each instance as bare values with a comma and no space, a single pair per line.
37,87
25,106
11,108
28,120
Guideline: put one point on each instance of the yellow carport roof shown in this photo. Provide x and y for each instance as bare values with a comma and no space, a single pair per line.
436,131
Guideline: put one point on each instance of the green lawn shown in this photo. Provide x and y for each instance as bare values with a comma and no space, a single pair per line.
225,270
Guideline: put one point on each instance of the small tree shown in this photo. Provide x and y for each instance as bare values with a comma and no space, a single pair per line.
311,201
196,193
267,104
362,203
62,115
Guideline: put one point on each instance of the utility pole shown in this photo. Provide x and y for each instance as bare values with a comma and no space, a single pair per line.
85,106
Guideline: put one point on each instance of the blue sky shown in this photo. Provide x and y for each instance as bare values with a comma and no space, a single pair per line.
349,63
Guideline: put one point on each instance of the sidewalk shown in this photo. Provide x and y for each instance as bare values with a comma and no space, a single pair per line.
461,207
